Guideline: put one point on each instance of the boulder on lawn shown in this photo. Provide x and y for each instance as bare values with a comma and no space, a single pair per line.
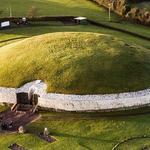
21,130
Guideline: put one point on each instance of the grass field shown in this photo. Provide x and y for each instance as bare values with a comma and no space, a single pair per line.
69,7
8,36
75,62
55,8
82,132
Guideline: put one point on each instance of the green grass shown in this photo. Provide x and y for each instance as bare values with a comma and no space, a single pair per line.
76,131
55,8
10,35
3,107
79,63
135,144
69,7
82,132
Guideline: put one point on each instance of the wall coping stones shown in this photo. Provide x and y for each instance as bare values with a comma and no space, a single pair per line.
72,102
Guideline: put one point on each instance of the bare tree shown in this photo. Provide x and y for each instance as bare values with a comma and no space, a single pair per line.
32,12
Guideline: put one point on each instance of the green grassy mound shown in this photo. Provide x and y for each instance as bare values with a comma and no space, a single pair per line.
79,63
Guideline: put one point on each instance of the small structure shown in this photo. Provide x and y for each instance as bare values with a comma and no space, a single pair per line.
26,102
21,21
24,21
46,137
80,20
5,24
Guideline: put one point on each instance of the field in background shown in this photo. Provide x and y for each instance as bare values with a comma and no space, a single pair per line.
54,8
67,8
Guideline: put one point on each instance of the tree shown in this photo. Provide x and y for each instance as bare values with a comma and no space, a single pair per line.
32,12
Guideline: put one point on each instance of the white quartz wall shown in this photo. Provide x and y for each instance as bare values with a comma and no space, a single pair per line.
7,95
91,105
70,102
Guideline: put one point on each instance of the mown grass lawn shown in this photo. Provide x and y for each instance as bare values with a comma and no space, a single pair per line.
70,7
82,132
55,8
11,35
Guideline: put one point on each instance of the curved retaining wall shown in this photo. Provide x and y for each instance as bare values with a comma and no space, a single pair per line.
69,102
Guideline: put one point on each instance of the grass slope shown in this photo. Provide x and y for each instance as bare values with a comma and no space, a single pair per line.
11,35
80,63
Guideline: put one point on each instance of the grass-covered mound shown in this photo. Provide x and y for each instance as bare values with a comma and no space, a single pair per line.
80,63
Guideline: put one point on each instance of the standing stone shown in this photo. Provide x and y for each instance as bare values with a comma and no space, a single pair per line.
46,132
21,130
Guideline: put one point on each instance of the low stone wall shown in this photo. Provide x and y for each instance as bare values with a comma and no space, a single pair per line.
70,102
7,95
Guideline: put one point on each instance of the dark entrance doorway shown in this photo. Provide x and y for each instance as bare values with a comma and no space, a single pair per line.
26,102
21,113
25,98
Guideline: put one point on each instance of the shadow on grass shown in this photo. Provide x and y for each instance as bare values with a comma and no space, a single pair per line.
37,129
17,38
80,137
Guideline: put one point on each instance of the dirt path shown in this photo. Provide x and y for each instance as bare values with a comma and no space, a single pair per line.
18,119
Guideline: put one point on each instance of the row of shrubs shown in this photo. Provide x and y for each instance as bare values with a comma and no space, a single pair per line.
121,7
